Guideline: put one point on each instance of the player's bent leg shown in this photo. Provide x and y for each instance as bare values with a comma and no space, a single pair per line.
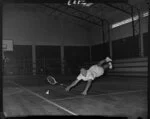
107,66
71,85
101,62
107,59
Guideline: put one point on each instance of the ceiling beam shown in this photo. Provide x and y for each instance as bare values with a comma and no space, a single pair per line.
88,14
110,5
69,14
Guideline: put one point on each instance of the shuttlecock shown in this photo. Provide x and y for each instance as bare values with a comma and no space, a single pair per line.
47,92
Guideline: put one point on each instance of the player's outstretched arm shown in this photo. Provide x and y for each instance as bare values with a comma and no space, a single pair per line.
87,87
72,84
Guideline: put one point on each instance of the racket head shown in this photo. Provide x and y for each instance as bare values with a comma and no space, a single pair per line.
51,80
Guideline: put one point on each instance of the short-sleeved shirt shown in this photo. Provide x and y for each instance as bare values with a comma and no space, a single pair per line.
93,72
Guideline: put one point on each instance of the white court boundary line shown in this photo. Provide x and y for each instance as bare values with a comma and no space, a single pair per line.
115,93
20,91
46,100
5,114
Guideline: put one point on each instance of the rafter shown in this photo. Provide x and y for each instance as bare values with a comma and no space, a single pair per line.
69,14
88,14
118,8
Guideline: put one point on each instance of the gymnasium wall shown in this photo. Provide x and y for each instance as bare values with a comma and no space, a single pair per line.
126,30
120,32
125,48
24,24
145,43
48,59
123,40
123,44
96,35
20,60
29,25
100,51
76,56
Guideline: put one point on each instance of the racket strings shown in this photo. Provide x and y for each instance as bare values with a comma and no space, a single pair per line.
51,80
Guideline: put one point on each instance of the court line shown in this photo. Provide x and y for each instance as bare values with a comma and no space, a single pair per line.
5,114
115,93
20,91
53,103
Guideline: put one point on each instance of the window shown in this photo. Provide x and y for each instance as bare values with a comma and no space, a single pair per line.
128,20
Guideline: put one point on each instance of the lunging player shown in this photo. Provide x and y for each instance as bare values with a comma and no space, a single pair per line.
93,72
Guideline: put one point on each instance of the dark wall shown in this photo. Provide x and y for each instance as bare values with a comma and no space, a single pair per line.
20,52
48,59
75,56
20,60
125,48
50,52
145,39
100,51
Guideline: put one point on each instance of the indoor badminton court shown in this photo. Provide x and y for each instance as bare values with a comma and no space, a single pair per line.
44,39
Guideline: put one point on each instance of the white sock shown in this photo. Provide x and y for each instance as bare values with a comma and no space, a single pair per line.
110,65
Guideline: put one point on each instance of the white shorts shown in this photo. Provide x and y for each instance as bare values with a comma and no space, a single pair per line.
96,70
92,73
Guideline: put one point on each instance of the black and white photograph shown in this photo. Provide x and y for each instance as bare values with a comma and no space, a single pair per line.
74,58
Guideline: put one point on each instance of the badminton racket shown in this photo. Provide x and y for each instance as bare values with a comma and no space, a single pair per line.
51,80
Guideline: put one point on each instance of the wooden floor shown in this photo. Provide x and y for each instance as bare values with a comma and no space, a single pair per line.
21,100
24,104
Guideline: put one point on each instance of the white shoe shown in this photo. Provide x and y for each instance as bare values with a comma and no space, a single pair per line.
110,65
108,59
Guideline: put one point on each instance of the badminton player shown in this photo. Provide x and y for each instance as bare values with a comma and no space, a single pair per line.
93,72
